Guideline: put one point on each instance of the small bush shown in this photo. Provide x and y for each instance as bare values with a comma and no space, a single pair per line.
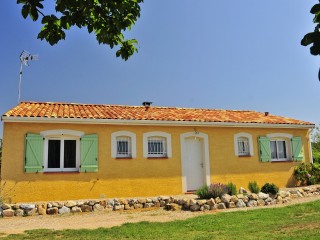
254,187
232,188
203,192
270,188
307,174
217,190
213,191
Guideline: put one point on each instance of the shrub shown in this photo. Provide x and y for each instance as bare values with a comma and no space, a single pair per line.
254,187
270,188
203,192
307,174
217,190
232,188
213,191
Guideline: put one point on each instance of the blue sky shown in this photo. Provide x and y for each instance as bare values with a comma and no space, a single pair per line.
241,55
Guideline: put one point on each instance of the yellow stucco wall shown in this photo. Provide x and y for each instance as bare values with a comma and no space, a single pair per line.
138,176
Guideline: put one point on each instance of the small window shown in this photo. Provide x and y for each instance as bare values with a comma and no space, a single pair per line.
123,144
157,147
124,147
243,146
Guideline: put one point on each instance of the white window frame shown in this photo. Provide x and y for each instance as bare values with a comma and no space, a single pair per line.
148,135
114,148
236,147
282,137
61,134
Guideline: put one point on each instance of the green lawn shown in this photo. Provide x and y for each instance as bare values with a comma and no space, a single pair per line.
292,222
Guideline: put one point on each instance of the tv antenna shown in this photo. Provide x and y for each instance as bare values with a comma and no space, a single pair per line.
25,57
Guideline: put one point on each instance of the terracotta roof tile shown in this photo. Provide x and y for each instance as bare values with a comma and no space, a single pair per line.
95,111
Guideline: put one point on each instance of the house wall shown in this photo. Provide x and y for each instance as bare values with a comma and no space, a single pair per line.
139,176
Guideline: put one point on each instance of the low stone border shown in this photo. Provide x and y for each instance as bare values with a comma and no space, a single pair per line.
241,200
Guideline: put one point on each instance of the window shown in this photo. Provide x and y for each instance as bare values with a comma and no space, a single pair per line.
243,145
278,150
157,145
61,151
123,144
280,147
62,154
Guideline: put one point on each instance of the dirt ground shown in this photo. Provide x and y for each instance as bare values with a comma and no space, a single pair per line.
109,219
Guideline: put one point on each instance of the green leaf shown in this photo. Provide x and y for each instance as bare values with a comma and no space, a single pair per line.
315,9
25,11
34,14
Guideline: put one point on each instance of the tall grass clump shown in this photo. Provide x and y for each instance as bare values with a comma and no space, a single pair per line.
253,187
232,188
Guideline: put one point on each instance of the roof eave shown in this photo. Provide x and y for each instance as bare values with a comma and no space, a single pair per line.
151,122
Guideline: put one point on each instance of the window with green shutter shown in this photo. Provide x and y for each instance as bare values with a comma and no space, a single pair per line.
297,153
89,153
33,153
264,149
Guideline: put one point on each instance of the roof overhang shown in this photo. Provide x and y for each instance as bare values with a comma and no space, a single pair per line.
150,122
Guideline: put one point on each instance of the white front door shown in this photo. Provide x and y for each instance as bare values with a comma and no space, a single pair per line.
194,164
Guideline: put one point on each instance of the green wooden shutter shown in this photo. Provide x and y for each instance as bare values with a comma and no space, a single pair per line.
296,144
264,149
33,153
89,153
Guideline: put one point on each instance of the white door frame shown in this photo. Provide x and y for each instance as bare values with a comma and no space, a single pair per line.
206,166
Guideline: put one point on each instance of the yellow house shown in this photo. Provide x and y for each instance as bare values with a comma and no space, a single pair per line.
61,151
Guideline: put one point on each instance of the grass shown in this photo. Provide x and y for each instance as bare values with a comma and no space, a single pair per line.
292,222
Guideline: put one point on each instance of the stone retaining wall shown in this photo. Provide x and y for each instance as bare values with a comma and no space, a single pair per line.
241,200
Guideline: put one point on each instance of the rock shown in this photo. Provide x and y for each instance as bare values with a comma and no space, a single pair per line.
240,204
91,203
284,194
205,207
163,198
217,200
103,203
162,203
157,204
118,207
52,211
64,210
234,199
192,202
279,199
123,201
148,205
201,202
80,203
19,212
15,206
253,196
49,205
30,212
86,208
194,207
137,205
8,213
70,204
240,196
42,208
57,204
213,207
221,206
262,195
211,202
98,208
27,206
128,207
245,199
225,198
231,205
5,206
252,203
142,200
261,202
242,190
75,209
173,207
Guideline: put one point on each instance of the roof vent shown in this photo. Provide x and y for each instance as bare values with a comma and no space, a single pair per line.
266,113
146,104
